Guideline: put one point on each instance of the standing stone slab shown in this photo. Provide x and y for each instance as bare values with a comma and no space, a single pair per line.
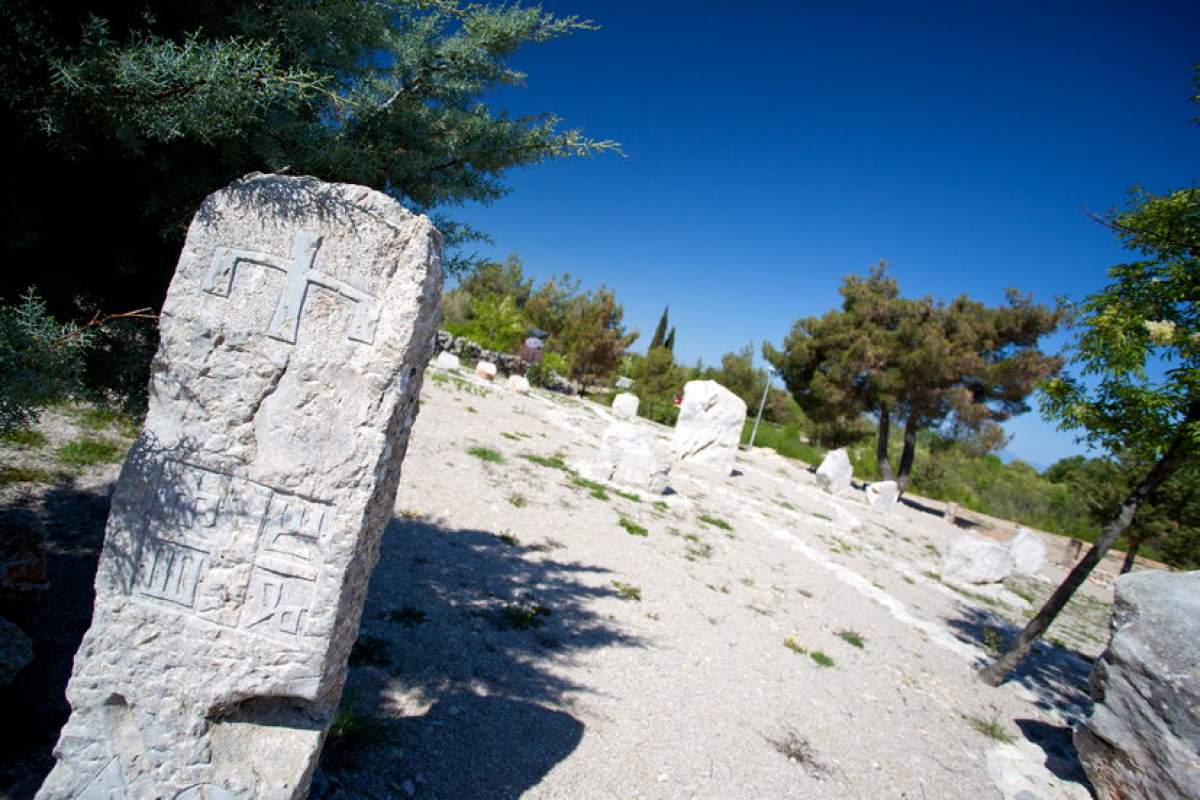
882,496
1028,552
631,455
247,517
709,426
625,405
834,473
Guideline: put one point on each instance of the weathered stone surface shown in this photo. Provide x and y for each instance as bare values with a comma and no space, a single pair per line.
518,384
631,455
709,426
247,517
974,560
16,651
883,495
834,473
1142,739
1028,552
447,360
486,370
625,405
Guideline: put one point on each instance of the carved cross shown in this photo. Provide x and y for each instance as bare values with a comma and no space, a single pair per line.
298,267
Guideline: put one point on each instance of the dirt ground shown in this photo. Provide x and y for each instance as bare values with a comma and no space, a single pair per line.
529,634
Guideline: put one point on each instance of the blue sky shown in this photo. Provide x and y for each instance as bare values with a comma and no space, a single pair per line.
775,148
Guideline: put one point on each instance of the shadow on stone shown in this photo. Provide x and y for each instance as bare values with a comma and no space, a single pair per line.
1056,742
456,694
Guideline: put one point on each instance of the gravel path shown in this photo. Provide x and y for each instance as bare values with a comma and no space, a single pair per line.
528,635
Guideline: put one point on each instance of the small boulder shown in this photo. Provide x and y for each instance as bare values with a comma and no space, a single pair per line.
709,426
625,405
16,651
1142,739
973,560
486,370
518,384
446,360
834,473
883,495
631,455
1028,552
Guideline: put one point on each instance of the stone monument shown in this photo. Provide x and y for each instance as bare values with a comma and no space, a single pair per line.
631,455
709,426
834,473
247,517
625,405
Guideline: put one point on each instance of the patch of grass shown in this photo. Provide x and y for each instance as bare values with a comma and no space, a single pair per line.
907,579
821,659
716,522
633,498
698,550
370,650
990,728
350,730
522,615
825,517
932,549
551,462
993,640
852,638
659,505
510,436
486,454
99,418
632,528
508,538
933,576
26,438
87,450
518,500
791,644
628,591
408,616
596,490
785,504
24,475
410,513
472,410
987,600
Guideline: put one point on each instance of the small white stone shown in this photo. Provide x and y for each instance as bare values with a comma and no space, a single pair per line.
625,405
974,560
486,370
446,360
834,473
518,384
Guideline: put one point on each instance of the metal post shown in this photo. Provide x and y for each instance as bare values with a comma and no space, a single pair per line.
761,403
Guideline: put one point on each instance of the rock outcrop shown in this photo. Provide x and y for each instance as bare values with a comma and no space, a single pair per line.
1142,739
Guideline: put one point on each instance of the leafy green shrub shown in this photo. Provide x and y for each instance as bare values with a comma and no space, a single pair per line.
41,360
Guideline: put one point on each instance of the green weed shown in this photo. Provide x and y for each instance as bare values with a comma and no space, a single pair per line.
990,728
628,591
86,451
24,475
596,490
26,438
627,495
716,522
632,528
851,638
552,462
486,454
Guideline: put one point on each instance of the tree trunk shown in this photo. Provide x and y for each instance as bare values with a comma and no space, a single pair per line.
881,443
1130,555
995,674
910,451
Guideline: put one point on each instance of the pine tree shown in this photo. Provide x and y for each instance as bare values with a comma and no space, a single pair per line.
658,340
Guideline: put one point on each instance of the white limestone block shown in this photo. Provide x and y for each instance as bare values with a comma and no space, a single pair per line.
518,384
834,473
709,426
247,517
486,370
1028,552
447,360
971,559
625,405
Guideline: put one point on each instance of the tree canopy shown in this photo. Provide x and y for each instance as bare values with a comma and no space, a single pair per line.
148,107
924,361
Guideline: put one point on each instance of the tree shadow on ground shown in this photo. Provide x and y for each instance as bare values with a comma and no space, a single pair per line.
1056,676
71,520
457,686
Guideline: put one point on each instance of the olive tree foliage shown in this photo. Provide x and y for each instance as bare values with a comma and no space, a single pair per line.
1137,384
959,364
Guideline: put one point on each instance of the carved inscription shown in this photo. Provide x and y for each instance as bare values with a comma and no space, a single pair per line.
298,268
201,518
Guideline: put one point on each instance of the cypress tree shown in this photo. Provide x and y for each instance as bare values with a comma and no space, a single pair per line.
661,331
670,341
